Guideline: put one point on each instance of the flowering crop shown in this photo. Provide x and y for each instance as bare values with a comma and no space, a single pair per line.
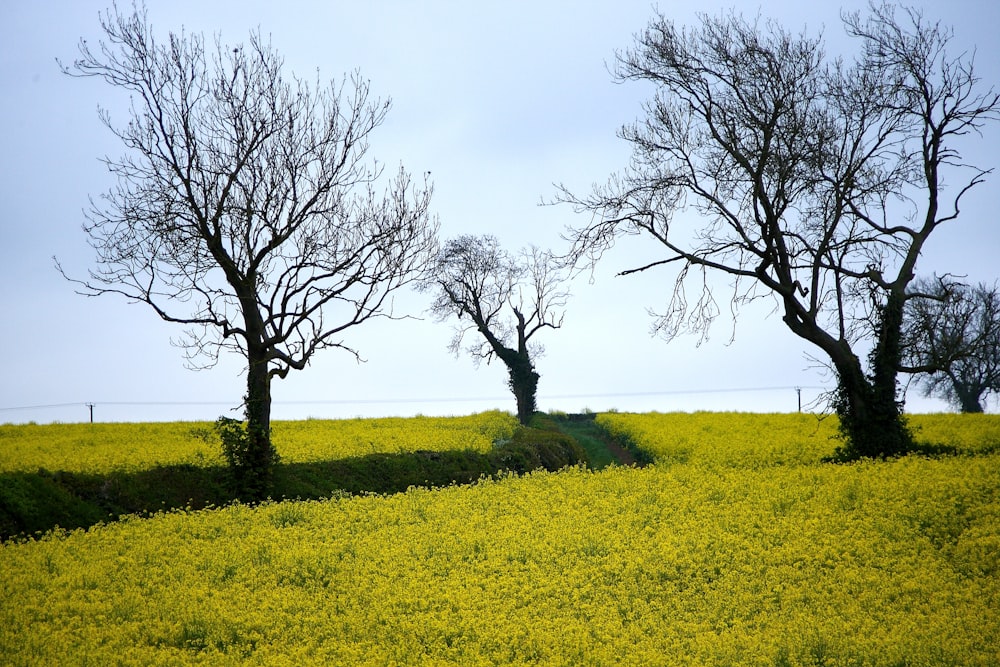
317,440
873,563
98,448
737,439
967,432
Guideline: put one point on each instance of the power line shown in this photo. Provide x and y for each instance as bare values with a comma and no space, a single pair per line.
451,399
88,403
543,395
38,407
675,392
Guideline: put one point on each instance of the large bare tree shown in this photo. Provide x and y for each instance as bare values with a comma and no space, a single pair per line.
817,182
506,300
247,206
951,340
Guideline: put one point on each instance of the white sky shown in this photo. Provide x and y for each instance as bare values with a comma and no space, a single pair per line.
499,100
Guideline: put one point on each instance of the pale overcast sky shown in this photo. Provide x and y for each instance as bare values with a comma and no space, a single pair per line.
499,100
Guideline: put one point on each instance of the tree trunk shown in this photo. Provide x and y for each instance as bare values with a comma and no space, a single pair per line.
524,383
871,418
260,453
968,398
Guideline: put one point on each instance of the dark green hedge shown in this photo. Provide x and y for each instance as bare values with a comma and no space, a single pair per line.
36,502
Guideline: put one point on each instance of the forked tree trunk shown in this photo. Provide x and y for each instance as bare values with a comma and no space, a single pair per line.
871,418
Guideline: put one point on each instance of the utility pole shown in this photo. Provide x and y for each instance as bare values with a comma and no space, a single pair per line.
798,390
91,406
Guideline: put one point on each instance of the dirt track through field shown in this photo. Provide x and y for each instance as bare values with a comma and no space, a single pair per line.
586,422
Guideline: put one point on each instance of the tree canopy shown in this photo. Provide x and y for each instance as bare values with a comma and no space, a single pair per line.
951,341
247,206
506,300
813,181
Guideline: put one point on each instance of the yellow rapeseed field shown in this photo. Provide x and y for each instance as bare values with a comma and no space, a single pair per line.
99,448
752,440
710,561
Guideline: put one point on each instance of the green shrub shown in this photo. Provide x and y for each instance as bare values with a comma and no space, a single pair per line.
251,460
532,448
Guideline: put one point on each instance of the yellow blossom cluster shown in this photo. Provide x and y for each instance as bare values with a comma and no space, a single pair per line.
795,563
100,448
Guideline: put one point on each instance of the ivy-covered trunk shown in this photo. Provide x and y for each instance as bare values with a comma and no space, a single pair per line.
260,456
871,418
524,383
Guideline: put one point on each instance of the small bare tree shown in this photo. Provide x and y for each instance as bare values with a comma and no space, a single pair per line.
503,298
951,340
818,183
247,207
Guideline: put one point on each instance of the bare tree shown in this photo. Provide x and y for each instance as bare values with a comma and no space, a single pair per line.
247,206
951,340
507,299
818,183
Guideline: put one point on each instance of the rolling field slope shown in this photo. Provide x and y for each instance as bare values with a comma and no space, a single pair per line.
702,559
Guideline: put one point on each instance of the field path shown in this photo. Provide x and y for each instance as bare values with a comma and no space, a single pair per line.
601,447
